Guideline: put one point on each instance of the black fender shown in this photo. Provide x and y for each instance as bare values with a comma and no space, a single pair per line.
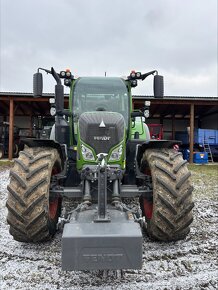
61,148
153,144
135,149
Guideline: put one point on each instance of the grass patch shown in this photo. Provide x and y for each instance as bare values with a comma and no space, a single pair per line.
204,179
210,169
6,163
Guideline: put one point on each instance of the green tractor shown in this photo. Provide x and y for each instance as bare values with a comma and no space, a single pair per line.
99,155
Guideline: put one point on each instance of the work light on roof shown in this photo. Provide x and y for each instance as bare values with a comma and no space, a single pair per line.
63,74
67,82
134,83
133,74
68,74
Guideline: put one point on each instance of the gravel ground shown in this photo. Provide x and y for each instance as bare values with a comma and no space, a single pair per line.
188,264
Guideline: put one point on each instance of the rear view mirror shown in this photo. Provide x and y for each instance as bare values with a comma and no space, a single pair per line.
158,86
37,85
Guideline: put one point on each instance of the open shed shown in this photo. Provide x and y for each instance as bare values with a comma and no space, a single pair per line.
174,112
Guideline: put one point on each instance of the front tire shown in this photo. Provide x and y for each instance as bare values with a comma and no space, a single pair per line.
169,212
32,213
1,151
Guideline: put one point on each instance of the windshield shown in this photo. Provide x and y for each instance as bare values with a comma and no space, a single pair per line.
101,94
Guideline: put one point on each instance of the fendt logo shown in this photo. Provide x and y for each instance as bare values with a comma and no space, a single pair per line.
102,138
103,258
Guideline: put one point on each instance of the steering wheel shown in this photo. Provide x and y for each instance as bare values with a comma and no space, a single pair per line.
100,109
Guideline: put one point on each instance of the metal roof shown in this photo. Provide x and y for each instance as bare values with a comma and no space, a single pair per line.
167,107
25,94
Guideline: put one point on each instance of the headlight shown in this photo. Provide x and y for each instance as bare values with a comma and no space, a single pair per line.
116,153
146,113
53,111
87,153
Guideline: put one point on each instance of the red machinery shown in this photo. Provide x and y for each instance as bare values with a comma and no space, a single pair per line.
156,131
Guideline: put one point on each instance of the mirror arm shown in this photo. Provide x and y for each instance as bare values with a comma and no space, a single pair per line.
148,74
46,70
56,76
53,73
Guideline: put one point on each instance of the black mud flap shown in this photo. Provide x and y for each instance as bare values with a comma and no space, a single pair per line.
113,245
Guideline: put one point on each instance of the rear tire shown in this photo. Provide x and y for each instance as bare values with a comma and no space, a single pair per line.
32,213
169,212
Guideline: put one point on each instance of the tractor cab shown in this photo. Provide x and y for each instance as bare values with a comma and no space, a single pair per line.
101,94
101,114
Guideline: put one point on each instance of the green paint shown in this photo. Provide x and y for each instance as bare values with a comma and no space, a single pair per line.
132,127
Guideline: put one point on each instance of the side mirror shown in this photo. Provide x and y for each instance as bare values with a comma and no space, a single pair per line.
158,86
37,85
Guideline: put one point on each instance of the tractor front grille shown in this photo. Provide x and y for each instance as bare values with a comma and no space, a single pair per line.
101,130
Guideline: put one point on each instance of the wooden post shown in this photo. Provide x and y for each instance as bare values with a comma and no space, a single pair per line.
11,129
191,137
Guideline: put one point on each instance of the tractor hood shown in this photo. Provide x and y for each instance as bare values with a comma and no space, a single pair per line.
101,130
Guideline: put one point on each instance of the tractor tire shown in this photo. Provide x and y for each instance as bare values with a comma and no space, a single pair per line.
1,151
169,213
32,213
15,150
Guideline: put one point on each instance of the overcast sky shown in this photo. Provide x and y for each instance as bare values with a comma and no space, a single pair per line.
176,37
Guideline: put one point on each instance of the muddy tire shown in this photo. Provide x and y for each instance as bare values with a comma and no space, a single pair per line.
1,151
169,212
32,214
15,150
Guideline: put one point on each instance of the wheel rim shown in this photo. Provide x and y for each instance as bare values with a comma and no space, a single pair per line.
147,203
148,208
53,208
54,202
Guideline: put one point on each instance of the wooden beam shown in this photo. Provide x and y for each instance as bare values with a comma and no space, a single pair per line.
191,133
11,129
26,99
177,102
